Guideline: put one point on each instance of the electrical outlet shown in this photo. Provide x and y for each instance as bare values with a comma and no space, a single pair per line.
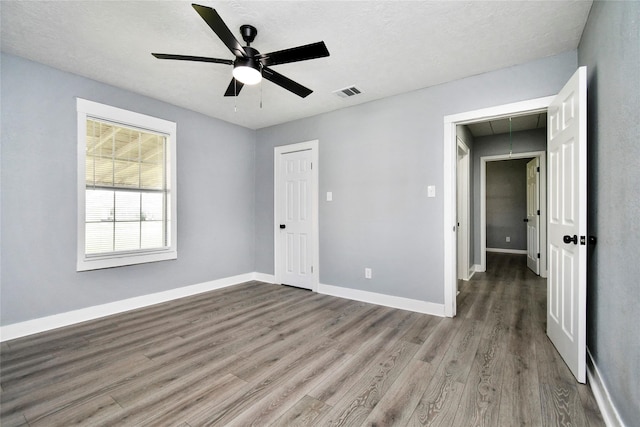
367,273
508,239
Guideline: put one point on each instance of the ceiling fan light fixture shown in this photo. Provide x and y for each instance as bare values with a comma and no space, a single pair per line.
247,71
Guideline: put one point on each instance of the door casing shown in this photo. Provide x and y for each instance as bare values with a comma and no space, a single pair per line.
542,229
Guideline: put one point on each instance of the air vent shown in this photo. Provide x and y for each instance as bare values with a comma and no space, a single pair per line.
347,92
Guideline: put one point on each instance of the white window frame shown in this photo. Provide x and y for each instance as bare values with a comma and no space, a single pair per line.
94,110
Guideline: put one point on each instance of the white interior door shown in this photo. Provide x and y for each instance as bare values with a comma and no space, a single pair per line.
296,246
463,211
566,283
533,216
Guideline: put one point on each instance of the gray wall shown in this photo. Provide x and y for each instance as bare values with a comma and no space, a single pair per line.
492,145
38,267
507,204
378,159
610,48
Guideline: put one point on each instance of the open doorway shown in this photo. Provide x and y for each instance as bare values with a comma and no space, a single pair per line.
506,206
494,190
494,118
514,226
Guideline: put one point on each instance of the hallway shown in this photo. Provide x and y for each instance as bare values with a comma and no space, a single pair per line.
511,300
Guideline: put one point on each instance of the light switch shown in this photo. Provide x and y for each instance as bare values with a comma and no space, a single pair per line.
431,191
329,196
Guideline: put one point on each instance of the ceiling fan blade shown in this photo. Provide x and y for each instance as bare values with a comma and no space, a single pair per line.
285,82
192,58
218,26
234,88
294,54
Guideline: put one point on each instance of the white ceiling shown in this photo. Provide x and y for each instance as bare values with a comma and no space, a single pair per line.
383,47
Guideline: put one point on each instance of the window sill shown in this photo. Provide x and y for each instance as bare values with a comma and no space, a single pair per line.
101,262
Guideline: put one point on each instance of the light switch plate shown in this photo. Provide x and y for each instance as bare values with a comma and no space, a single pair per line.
431,191
329,196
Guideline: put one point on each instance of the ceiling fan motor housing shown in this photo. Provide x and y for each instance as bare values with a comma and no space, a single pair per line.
250,60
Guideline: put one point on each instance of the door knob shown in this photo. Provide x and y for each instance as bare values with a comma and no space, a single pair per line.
568,239
282,226
526,220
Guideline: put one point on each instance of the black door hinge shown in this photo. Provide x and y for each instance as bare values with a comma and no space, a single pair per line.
538,169
538,211
538,255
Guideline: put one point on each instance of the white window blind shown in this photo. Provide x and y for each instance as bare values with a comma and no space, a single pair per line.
125,189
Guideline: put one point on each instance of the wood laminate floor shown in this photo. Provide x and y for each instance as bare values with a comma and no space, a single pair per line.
261,354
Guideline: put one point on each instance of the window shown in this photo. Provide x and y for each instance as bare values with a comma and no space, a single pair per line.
126,187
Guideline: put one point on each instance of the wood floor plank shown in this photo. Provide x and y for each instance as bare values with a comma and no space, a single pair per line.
479,404
170,379
481,306
266,354
561,405
520,392
440,401
437,343
280,373
84,358
172,408
91,412
369,327
333,389
15,419
397,404
198,342
273,405
303,413
591,411
418,332
480,401
84,387
359,401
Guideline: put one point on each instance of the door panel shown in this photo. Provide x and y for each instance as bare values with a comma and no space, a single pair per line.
294,221
462,207
533,217
566,283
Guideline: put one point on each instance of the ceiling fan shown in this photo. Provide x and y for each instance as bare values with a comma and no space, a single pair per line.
250,66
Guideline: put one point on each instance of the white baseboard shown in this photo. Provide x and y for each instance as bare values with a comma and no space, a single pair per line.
472,271
477,268
384,300
508,251
262,277
55,321
601,394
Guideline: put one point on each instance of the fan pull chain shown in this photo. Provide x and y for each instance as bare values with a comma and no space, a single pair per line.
235,96
261,81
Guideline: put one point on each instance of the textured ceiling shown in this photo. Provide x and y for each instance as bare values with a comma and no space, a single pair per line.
382,47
